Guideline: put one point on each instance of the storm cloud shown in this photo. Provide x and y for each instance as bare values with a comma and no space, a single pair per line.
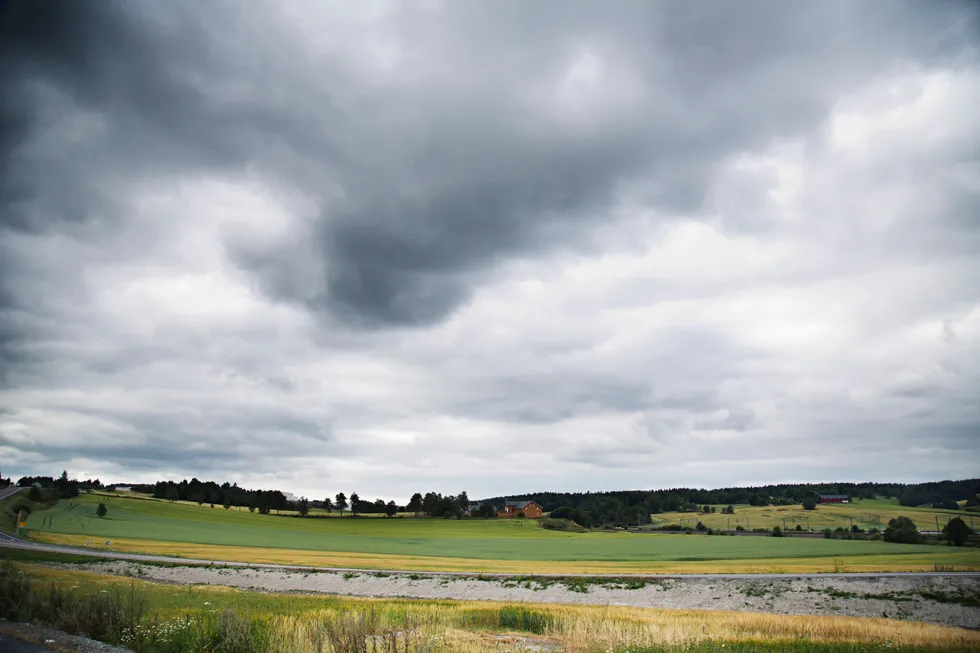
497,248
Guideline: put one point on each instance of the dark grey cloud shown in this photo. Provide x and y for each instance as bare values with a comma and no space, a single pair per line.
620,233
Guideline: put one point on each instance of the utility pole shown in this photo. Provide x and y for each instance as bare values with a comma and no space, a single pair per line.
730,522
937,525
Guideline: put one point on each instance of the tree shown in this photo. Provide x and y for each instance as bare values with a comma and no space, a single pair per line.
486,511
777,531
340,502
799,528
327,505
706,509
809,503
700,527
901,530
303,506
173,494
463,502
728,510
415,504
391,509
101,510
354,499
430,504
957,532
227,502
562,512
520,514
34,495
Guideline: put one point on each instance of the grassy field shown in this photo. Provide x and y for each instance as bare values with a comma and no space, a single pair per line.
466,545
175,616
865,513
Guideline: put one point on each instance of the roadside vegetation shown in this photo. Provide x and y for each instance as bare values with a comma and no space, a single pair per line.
157,618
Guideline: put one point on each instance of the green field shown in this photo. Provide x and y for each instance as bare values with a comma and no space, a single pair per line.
865,513
131,518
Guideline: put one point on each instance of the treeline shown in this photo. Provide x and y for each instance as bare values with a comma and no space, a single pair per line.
226,494
940,494
64,487
633,507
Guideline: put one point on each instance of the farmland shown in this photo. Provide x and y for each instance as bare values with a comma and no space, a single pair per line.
150,526
867,513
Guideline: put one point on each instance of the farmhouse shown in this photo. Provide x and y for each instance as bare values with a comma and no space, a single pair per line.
529,508
833,498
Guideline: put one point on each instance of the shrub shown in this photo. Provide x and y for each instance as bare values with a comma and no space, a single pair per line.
809,503
101,510
34,495
902,530
777,531
15,591
957,532
799,528
700,527
828,534
739,528
349,632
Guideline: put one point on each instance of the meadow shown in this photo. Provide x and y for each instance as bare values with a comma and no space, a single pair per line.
501,545
150,617
865,513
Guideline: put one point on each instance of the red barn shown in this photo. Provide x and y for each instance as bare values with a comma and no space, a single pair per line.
531,509
834,498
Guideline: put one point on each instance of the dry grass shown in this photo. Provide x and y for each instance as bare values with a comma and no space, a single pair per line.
958,560
467,625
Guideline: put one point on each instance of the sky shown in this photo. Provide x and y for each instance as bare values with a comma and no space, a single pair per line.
505,247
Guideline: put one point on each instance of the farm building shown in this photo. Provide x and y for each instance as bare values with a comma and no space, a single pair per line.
529,508
833,498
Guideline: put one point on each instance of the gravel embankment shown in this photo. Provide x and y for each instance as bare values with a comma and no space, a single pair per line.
940,600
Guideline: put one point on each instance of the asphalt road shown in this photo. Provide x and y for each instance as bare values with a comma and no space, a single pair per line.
8,491
13,542
11,645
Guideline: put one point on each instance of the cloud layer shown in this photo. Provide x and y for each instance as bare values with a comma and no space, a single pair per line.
550,246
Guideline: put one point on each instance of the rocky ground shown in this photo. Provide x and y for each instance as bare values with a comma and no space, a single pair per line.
947,600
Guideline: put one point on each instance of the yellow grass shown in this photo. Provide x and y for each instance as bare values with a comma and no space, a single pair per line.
960,560
575,627
864,514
